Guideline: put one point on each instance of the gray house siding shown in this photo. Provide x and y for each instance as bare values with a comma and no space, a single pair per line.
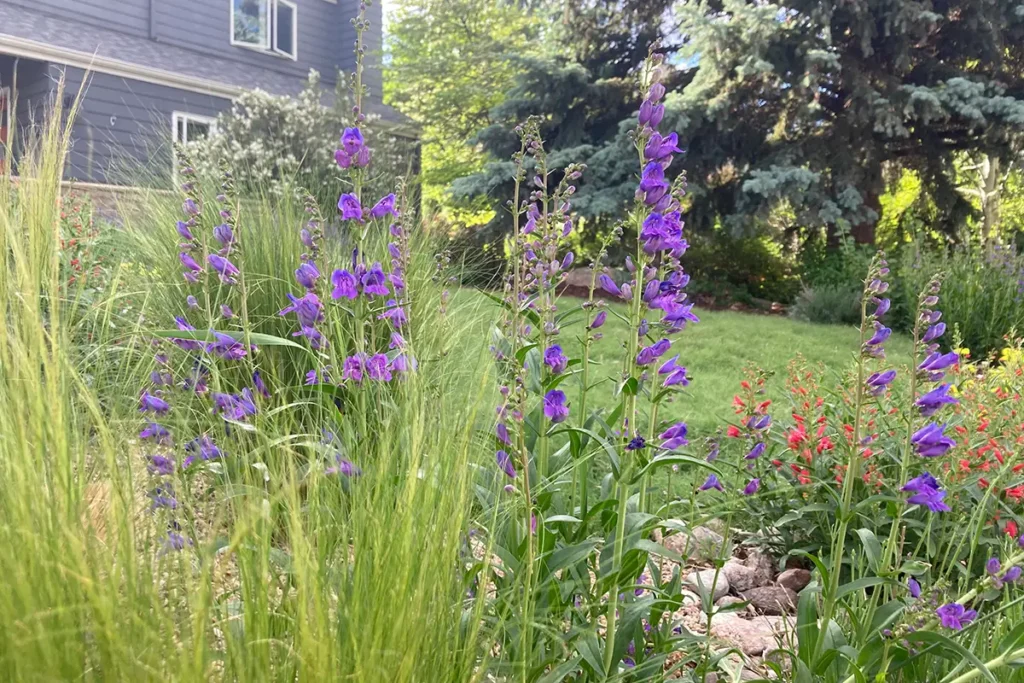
123,129
129,16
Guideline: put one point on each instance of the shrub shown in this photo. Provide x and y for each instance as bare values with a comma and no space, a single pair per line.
749,267
829,304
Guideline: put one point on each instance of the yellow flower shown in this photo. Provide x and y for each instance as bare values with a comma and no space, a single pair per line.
963,352
954,391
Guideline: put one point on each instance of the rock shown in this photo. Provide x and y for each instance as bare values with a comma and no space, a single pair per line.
793,579
579,277
771,599
741,577
728,600
699,544
751,636
763,566
703,582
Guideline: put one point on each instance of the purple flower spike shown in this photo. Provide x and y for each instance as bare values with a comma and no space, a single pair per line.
930,442
878,381
189,262
676,373
345,285
224,234
555,408
926,492
675,436
555,359
377,368
993,566
914,587
155,431
394,313
190,208
160,465
352,369
651,353
953,616
307,308
384,207
226,346
350,208
883,307
599,320
505,464
751,488
1012,574
184,229
712,483
881,334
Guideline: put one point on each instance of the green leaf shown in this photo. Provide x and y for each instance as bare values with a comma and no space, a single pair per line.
653,548
590,648
861,584
1012,639
613,456
561,518
915,567
956,648
570,555
872,548
208,336
559,673
666,460
807,624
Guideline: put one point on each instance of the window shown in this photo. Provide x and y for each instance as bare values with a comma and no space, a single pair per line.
191,127
266,25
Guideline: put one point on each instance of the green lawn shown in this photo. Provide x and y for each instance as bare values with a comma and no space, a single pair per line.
715,352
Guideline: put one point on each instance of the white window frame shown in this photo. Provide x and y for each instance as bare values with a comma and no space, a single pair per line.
294,54
269,44
183,117
6,116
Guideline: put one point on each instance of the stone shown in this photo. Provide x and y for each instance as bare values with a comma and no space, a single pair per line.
763,566
728,600
750,636
700,544
771,599
741,577
706,581
794,579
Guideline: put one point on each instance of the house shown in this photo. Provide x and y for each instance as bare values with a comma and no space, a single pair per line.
159,70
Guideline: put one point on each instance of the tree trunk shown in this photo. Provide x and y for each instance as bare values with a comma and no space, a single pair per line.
864,233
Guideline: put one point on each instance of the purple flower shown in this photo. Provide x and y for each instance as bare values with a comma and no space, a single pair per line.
163,497
637,443
712,483
352,369
385,206
192,302
224,234
160,465
759,422
914,587
677,315
993,566
954,616
505,464
608,284
936,364
394,313
651,353
190,208
881,334
155,431
662,233
934,332
1012,574
926,492
307,274
936,398
599,320
756,452
883,307
307,308
375,282
316,339
344,467
189,262
878,381
555,408
676,373
352,141
345,285
675,436
184,229
261,387
930,442
225,269
653,185
153,404
661,149
226,346
350,208
555,359
377,368
751,488
650,114
501,431
226,312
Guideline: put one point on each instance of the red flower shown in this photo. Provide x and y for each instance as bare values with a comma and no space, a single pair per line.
732,432
1011,529
796,437
1015,492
